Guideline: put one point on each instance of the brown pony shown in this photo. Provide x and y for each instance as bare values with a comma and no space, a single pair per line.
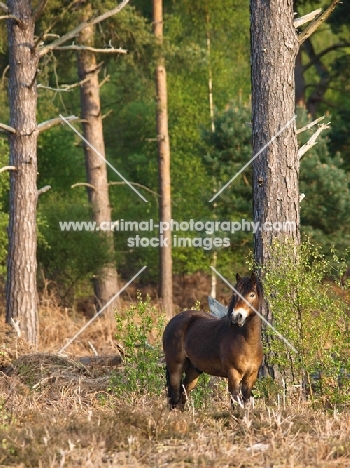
196,342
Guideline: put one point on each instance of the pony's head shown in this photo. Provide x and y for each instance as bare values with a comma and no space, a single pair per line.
245,300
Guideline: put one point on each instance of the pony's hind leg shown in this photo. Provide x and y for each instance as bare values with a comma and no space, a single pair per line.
174,384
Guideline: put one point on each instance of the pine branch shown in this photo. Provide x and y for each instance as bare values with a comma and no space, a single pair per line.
110,13
325,51
92,49
306,18
8,168
75,32
44,189
83,184
40,9
317,22
309,125
312,141
46,32
137,185
57,120
7,128
64,88
11,17
8,16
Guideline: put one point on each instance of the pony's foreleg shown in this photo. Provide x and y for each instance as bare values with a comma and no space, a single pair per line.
234,381
247,385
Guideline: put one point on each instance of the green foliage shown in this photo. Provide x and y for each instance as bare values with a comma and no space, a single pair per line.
325,211
308,313
208,391
228,149
143,373
68,257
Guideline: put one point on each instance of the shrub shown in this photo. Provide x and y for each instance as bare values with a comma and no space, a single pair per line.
143,371
300,286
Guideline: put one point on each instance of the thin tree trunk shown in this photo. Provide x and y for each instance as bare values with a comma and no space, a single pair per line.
214,255
21,288
106,280
166,289
274,48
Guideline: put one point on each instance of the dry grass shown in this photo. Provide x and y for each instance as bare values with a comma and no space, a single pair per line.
56,412
72,420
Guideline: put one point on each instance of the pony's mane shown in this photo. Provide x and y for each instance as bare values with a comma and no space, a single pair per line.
244,286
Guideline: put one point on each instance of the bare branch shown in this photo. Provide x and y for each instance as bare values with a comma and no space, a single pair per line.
105,80
11,17
107,114
317,22
137,185
83,184
93,348
70,35
312,141
44,189
93,49
57,120
8,16
4,73
57,19
306,18
64,87
109,13
7,128
15,324
8,168
309,125
40,9
325,51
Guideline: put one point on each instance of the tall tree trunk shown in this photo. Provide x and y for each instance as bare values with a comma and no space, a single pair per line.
274,48
214,255
166,288
21,288
106,280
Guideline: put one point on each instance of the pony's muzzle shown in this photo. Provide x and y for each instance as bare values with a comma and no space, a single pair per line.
239,316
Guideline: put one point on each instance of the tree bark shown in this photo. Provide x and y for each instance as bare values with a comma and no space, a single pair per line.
165,239
274,47
299,82
106,280
21,286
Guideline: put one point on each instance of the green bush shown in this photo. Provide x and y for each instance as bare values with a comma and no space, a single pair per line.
143,373
300,286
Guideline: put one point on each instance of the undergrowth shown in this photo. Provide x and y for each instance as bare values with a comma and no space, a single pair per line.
143,371
299,287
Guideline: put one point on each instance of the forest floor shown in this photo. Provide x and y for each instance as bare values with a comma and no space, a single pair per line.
56,411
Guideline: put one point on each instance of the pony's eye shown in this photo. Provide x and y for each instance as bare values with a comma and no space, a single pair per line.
252,295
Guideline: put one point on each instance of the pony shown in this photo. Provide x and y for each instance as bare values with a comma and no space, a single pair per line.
195,342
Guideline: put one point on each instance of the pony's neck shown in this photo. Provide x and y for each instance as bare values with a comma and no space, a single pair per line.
252,330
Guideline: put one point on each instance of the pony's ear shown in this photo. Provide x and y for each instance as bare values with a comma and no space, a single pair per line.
238,276
254,278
